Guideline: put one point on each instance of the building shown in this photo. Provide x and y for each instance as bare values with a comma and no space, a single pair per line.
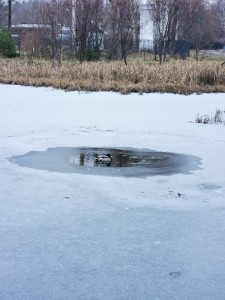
146,29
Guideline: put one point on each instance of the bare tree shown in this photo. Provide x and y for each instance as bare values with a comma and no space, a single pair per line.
196,25
26,12
124,20
218,17
9,14
51,22
87,25
82,20
3,13
165,15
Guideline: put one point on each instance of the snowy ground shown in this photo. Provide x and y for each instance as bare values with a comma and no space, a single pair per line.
85,237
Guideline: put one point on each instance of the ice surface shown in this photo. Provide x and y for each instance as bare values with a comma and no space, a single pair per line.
69,236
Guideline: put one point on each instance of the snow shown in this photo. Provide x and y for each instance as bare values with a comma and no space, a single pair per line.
73,236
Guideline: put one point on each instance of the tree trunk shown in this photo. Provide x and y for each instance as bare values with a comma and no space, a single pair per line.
9,14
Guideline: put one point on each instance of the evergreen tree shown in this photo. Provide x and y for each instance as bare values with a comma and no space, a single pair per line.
7,43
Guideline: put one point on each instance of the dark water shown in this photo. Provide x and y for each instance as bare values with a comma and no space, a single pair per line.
125,162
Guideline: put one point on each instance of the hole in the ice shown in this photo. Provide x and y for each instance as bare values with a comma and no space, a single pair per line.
109,161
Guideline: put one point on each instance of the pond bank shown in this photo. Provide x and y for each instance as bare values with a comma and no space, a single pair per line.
180,77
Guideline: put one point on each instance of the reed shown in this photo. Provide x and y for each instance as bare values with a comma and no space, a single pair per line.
183,77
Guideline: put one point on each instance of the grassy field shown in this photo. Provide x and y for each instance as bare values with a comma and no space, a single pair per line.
177,76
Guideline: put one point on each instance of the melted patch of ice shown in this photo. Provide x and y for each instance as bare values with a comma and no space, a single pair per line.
128,162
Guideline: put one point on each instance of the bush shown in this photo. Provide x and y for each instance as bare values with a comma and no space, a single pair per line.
92,55
7,43
217,118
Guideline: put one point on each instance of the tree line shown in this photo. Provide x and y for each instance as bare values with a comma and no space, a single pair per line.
83,28
200,22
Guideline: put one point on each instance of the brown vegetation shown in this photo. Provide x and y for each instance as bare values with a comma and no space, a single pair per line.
181,77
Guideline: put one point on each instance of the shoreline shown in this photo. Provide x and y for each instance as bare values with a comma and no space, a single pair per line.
177,77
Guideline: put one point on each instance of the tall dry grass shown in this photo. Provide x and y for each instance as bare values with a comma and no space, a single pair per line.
177,77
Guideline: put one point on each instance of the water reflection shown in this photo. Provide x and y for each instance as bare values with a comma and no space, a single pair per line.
121,158
82,159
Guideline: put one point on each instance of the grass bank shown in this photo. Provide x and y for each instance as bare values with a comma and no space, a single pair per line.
181,77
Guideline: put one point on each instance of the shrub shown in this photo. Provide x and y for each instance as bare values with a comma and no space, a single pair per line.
217,118
92,55
7,43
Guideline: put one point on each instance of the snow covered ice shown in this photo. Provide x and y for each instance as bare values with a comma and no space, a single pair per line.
84,236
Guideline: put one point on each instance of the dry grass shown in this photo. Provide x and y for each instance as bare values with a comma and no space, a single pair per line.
181,77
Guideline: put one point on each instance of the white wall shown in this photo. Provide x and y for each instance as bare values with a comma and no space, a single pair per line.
146,27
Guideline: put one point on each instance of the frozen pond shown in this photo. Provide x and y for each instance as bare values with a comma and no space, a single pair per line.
68,233
129,162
